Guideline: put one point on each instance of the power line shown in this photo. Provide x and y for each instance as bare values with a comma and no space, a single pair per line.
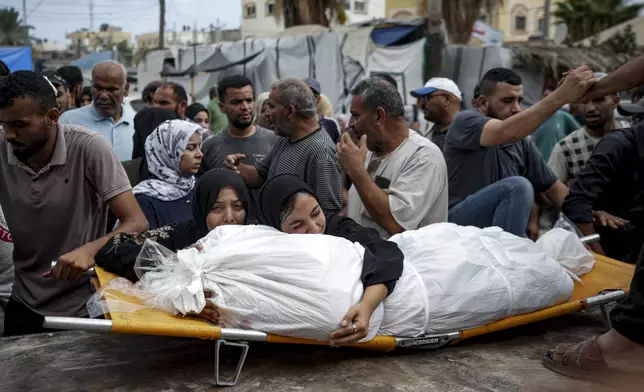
33,9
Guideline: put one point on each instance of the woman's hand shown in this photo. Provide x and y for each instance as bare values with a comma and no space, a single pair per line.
354,326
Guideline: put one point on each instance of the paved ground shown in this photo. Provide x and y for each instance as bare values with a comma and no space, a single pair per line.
76,361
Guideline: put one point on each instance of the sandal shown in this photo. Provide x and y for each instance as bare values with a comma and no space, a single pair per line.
581,361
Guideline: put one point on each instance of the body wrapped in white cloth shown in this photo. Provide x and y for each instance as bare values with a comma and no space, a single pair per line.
301,285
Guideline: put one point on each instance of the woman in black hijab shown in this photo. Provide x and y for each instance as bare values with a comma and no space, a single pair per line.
198,114
289,205
145,122
221,198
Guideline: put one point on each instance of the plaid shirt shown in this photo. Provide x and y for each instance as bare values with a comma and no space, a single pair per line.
570,155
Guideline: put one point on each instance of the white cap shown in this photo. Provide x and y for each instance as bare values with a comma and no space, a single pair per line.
435,84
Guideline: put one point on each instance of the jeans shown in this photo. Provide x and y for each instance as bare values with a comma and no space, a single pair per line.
628,316
506,204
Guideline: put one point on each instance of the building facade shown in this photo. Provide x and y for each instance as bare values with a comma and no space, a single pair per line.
99,40
521,19
182,38
258,16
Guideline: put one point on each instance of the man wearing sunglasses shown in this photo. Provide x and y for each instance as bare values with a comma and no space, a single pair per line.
440,101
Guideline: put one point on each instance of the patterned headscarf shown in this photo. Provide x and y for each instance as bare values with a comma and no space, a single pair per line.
163,151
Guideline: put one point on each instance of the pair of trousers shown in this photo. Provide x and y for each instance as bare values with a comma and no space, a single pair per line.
506,204
628,316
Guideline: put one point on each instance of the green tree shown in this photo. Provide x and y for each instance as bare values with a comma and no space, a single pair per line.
586,18
12,31
125,53
460,15
304,12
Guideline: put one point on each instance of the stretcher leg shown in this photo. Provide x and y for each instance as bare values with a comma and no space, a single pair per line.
230,381
606,316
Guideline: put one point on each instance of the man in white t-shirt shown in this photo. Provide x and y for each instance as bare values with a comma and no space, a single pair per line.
399,177
6,267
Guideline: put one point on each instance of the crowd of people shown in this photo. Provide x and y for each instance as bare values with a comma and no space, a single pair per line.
84,180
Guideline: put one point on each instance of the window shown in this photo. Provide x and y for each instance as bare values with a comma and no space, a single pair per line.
519,22
347,5
541,25
250,11
360,7
270,8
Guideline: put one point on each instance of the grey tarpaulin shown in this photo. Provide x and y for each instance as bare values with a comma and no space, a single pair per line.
338,59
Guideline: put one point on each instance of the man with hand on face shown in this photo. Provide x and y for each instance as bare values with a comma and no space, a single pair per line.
494,171
107,115
303,149
399,177
56,183
237,102
172,96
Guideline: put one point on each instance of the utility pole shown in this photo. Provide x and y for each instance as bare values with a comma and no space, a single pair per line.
91,15
546,20
435,38
161,23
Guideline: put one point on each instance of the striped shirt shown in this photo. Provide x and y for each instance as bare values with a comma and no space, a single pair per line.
313,160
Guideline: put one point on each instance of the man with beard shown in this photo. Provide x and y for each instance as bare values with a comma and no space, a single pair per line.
399,177
237,102
440,101
569,156
494,171
304,149
107,115
172,96
59,180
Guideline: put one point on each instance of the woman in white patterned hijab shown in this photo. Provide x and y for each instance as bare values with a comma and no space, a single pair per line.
173,155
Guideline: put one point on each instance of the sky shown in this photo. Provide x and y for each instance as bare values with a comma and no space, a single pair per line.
52,19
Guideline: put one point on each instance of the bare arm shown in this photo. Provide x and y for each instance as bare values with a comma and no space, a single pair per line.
515,128
71,265
249,173
251,176
557,194
626,77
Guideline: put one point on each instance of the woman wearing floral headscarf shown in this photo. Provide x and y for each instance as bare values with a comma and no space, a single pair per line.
173,153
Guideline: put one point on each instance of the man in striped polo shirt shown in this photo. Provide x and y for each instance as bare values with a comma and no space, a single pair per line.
304,148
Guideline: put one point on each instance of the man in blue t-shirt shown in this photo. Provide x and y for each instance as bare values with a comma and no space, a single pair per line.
494,171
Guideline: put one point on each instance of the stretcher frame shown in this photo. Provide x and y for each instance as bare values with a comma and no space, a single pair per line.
240,338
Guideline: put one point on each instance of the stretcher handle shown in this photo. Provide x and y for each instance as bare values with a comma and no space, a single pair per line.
590,239
89,272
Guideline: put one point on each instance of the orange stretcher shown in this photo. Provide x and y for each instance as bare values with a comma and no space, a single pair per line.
607,283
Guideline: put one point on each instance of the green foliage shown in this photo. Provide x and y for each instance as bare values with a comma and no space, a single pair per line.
12,31
586,18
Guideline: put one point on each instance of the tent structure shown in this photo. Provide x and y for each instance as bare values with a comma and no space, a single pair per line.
17,58
341,57
88,61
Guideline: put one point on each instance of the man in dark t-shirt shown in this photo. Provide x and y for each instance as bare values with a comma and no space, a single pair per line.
237,102
493,170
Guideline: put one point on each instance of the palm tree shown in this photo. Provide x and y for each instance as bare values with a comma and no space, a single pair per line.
12,31
586,18
460,16
303,12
